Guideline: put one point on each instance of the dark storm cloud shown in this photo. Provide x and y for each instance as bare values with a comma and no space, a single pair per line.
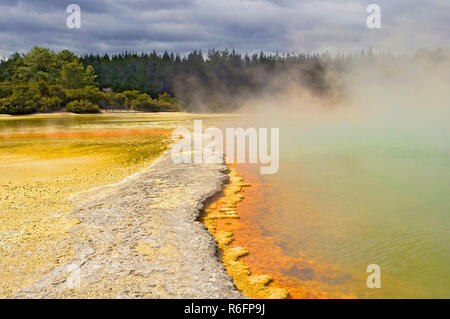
247,25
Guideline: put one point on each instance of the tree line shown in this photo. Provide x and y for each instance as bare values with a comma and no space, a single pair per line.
44,81
215,79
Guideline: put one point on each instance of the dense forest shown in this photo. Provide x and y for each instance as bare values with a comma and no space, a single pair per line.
215,79
45,81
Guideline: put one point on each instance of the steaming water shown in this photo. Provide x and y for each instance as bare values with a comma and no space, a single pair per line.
346,195
351,195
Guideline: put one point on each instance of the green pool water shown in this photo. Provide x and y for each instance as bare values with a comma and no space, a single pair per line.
351,195
348,195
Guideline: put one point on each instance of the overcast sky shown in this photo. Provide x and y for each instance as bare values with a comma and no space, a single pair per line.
109,26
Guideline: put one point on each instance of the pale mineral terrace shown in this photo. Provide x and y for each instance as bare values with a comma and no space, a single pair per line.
140,238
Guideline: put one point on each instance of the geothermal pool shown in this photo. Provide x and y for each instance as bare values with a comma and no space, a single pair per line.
348,195
46,161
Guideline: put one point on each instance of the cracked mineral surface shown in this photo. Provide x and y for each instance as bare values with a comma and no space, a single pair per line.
140,238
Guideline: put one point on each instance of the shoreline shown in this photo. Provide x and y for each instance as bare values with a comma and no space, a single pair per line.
222,209
141,238
221,188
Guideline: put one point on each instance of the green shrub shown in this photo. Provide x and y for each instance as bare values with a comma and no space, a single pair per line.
117,100
3,106
90,93
145,103
6,89
57,90
131,95
25,99
50,104
43,88
102,99
168,103
82,106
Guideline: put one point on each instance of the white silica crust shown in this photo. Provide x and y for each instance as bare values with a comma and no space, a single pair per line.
140,238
